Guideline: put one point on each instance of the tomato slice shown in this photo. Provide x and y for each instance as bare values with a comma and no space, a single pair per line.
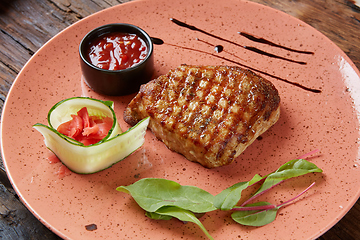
72,128
104,125
86,129
84,115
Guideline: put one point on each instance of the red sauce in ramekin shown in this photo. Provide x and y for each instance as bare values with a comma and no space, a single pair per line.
117,51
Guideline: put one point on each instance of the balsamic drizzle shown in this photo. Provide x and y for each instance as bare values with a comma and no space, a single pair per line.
265,41
248,67
220,48
250,48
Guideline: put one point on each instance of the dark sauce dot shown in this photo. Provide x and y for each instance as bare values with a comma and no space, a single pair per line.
218,48
157,41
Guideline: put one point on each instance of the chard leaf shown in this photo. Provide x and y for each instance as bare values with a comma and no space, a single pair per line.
229,197
293,168
157,216
164,199
255,218
183,215
154,193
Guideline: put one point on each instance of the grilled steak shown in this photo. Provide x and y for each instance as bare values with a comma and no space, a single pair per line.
209,114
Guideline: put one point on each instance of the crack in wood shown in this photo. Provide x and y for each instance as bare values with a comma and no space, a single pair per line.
10,68
31,52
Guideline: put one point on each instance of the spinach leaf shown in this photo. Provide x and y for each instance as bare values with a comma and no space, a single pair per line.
255,218
154,193
295,168
229,197
182,215
157,216
291,169
165,199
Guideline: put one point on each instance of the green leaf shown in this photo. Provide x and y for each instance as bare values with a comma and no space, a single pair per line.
183,215
229,197
164,199
255,218
154,193
157,216
293,168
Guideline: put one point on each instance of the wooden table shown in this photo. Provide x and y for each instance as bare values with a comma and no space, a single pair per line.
27,25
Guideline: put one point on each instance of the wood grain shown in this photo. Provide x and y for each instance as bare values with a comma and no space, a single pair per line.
28,24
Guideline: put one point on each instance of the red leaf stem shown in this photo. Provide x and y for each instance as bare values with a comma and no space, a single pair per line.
308,154
259,194
255,208
271,206
294,198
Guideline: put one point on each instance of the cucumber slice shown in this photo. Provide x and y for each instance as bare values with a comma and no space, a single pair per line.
96,157
62,111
